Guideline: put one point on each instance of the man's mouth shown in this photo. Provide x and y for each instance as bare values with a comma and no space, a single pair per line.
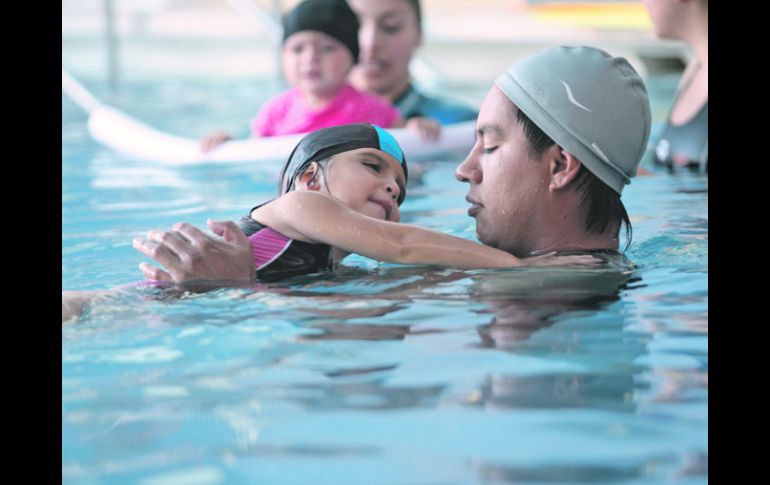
474,208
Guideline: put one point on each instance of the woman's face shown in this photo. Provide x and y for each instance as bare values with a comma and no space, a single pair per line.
388,36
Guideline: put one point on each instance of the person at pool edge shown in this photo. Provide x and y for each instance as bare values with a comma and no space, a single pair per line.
684,140
559,135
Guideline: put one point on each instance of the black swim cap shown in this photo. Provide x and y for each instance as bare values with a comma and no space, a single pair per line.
327,142
332,17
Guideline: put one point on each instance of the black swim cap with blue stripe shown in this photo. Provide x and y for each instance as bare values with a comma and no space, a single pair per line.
332,17
326,142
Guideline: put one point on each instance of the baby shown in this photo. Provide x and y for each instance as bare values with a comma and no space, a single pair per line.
320,47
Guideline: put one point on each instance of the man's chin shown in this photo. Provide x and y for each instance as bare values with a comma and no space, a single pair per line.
486,240
483,240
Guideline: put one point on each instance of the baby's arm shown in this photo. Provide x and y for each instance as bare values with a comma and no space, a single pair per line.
316,217
428,128
213,140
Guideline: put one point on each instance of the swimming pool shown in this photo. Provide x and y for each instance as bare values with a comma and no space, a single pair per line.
379,374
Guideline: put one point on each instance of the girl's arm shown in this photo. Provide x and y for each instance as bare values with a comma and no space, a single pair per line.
318,218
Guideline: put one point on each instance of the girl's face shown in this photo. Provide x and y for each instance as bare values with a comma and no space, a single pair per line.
388,36
316,63
368,181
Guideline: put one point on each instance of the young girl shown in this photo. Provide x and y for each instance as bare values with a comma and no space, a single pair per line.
320,46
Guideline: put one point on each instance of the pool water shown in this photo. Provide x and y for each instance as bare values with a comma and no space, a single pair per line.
379,374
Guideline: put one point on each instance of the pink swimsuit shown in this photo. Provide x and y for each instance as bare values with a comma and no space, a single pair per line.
288,114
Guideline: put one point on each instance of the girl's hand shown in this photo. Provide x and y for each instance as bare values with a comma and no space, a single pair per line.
428,128
213,140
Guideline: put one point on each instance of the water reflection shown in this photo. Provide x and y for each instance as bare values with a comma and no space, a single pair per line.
520,306
375,395
612,392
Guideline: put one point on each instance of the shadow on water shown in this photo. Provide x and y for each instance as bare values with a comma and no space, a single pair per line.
685,465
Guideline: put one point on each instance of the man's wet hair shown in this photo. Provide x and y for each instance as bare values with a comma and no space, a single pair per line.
602,205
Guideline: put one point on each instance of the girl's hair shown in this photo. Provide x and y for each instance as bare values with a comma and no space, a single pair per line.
602,205
334,18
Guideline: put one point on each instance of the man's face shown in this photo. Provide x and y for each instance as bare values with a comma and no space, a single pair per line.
507,188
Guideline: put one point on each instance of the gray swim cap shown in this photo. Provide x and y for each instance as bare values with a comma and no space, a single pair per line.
592,104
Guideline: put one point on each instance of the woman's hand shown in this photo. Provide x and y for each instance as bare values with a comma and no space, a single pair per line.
428,128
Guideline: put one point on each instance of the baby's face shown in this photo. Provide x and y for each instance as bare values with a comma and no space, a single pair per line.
316,63
368,181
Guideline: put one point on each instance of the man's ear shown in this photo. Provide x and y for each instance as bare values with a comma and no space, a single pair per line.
563,168
310,178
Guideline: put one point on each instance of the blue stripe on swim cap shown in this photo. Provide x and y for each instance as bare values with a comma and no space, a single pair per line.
389,145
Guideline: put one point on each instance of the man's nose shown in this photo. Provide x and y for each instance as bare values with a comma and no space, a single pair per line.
469,170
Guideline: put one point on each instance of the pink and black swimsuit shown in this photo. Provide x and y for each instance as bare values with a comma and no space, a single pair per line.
277,257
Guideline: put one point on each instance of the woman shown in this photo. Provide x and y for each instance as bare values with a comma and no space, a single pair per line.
684,139
389,34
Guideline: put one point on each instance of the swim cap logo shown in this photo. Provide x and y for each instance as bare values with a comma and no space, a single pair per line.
572,98
600,152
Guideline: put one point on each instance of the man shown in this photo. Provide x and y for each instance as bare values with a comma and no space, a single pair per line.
559,135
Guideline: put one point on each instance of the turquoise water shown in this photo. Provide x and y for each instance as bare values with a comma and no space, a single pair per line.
380,374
